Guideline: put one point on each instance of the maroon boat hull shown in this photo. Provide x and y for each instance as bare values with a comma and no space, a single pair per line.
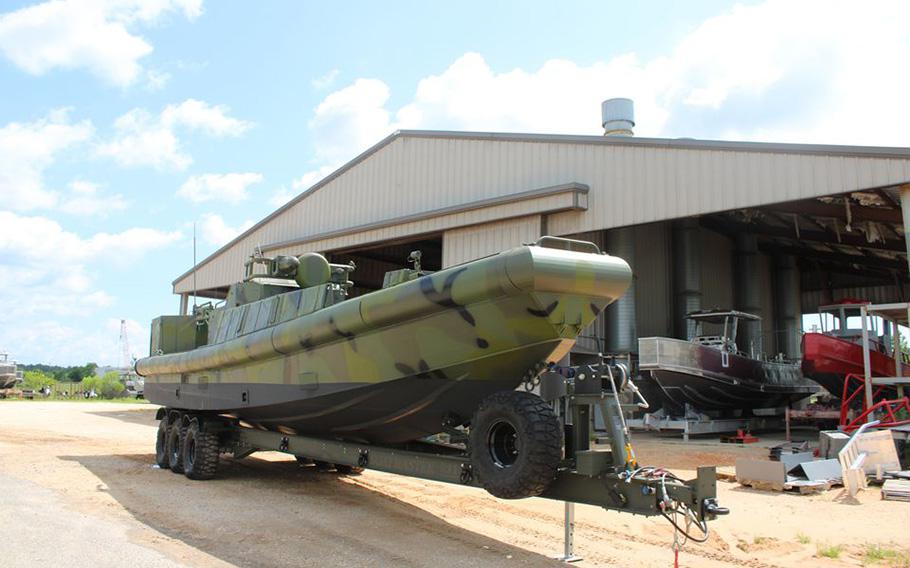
708,379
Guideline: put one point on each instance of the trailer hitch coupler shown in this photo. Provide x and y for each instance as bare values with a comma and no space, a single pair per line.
711,509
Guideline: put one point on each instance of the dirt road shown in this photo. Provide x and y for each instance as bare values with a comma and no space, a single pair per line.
79,486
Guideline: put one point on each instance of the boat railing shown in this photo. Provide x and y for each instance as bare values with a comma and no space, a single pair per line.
567,244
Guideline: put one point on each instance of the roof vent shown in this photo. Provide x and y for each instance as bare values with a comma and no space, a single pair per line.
617,117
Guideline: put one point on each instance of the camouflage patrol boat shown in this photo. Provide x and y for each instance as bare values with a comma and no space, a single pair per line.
290,350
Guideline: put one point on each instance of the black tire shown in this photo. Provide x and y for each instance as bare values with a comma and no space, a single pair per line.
175,436
348,469
161,445
200,452
516,444
323,466
303,462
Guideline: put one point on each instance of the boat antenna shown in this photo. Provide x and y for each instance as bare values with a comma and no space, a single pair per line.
194,266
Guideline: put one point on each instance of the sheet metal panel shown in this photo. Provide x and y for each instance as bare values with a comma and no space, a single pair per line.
769,344
653,280
470,243
632,182
810,300
717,270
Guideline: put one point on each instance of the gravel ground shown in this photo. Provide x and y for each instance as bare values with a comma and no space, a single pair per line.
79,486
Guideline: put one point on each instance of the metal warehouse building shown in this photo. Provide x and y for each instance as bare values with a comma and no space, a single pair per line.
771,229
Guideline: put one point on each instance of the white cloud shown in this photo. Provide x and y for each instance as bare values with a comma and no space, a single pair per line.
43,260
309,179
142,139
230,187
281,196
215,231
58,343
90,34
27,149
85,199
325,81
815,71
40,238
351,119
156,80
199,115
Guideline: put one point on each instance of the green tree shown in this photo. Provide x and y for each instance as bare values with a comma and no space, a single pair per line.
36,380
77,374
111,386
92,383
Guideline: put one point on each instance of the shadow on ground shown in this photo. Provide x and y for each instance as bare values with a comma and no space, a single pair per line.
143,415
275,513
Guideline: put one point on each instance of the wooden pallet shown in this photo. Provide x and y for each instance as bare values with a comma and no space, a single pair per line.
802,487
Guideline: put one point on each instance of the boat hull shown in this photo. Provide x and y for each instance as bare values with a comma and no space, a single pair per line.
403,362
828,360
683,373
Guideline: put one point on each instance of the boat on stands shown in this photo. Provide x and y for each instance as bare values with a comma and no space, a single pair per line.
835,349
709,372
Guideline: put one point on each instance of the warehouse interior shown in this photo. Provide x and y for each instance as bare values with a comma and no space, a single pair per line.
778,262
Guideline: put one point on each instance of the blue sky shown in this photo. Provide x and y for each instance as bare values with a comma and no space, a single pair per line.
123,122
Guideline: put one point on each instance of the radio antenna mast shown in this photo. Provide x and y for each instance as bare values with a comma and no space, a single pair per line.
194,266
124,346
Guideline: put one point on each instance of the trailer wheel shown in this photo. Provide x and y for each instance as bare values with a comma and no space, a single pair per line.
200,452
348,469
516,444
175,436
323,466
161,456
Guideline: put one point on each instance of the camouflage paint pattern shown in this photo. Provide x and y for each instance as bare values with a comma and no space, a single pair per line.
432,346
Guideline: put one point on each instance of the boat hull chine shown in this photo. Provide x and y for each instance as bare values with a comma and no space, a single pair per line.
393,411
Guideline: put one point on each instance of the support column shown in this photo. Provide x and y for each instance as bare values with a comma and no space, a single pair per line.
686,276
905,210
184,303
747,290
621,334
787,306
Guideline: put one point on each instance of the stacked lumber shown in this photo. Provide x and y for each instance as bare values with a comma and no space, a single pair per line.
896,490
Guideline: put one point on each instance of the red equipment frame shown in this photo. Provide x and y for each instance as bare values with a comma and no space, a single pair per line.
889,408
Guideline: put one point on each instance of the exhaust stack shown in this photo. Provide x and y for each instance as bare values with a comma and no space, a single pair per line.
617,117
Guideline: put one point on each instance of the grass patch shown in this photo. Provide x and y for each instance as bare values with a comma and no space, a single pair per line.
760,540
875,553
830,551
802,538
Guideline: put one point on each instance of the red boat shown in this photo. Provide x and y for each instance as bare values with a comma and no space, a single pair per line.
830,355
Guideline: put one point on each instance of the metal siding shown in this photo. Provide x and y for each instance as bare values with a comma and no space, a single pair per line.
462,245
653,290
630,184
768,323
810,300
716,271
